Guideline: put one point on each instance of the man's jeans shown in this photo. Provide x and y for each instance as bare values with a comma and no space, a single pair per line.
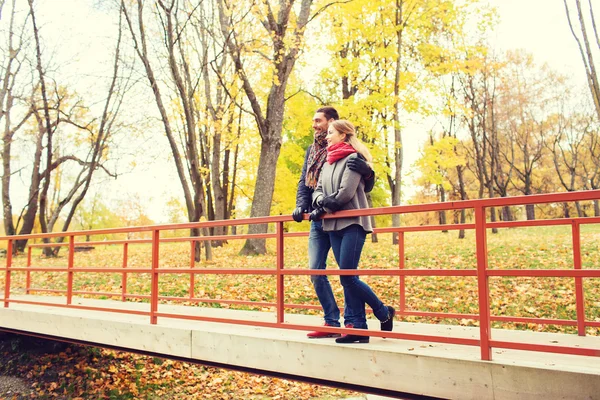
318,248
347,246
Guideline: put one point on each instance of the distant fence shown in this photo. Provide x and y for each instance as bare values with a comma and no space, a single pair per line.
482,273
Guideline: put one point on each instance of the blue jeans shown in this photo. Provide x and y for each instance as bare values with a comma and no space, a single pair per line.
318,249
347,245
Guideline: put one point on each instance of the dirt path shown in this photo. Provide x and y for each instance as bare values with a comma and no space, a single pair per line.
14,388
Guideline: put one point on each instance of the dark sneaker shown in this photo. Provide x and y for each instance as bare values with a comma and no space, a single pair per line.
352,338
388,324
323,335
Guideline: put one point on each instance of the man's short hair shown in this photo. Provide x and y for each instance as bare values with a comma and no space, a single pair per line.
329,112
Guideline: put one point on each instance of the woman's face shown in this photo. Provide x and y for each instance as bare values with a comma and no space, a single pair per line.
334,137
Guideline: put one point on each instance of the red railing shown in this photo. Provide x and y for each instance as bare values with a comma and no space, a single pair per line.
482,273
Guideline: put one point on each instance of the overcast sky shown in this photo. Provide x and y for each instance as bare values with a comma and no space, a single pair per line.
541,28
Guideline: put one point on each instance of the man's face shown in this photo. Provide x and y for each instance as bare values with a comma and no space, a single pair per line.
320,123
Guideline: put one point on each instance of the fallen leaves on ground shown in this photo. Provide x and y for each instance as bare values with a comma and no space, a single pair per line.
79,372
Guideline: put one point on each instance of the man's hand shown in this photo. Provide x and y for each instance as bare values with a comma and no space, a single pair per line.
331,203
298,214
316,214
359,165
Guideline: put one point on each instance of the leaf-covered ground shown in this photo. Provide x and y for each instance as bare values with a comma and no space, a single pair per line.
92,373
73,372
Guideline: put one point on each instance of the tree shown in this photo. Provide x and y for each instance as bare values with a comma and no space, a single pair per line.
95,214
567,146
478,86
10,96
49,118
383,72
586,49
187,158
590,164
222,118
55,125
526,99
284,27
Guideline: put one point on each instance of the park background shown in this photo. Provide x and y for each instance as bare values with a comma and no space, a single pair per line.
456,100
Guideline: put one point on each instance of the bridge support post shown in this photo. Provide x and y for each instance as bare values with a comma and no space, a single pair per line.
124,276
482,284
71,259
401,264
28,275
579,295
192,265
280,282
9,254
154,280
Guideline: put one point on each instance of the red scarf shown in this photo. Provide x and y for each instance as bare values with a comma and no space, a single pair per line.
316,159
338,151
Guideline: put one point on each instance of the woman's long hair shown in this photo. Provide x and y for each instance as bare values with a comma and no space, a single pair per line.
345,127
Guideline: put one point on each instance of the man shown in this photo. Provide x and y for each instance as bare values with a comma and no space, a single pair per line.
318,240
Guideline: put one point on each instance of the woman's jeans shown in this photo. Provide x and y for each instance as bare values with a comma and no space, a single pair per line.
318,249
347,246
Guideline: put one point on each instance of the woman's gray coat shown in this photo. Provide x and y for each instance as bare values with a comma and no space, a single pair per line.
349,190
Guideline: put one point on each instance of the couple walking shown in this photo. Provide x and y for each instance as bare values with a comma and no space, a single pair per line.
335,176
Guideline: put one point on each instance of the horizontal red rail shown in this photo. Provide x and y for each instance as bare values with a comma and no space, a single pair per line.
482,273
546,348
549,273
406,209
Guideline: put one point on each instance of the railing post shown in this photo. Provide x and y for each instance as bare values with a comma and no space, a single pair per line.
280,290
579,295
70,269
482,284
124,276
154,280
9,251
192,265
28,275
401,264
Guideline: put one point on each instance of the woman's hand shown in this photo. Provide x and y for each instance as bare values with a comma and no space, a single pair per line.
331,203
316,214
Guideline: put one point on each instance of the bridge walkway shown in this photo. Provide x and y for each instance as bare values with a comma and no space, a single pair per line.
391,367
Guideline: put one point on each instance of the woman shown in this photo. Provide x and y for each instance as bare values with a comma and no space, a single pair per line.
339,188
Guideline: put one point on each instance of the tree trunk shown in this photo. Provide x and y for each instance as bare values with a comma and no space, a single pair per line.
463,220
580,210
9,226
507,214
47,126
398,149
270,125
263,193
6,106
442,214
194,199
566,212
32,203
530,211
463,196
